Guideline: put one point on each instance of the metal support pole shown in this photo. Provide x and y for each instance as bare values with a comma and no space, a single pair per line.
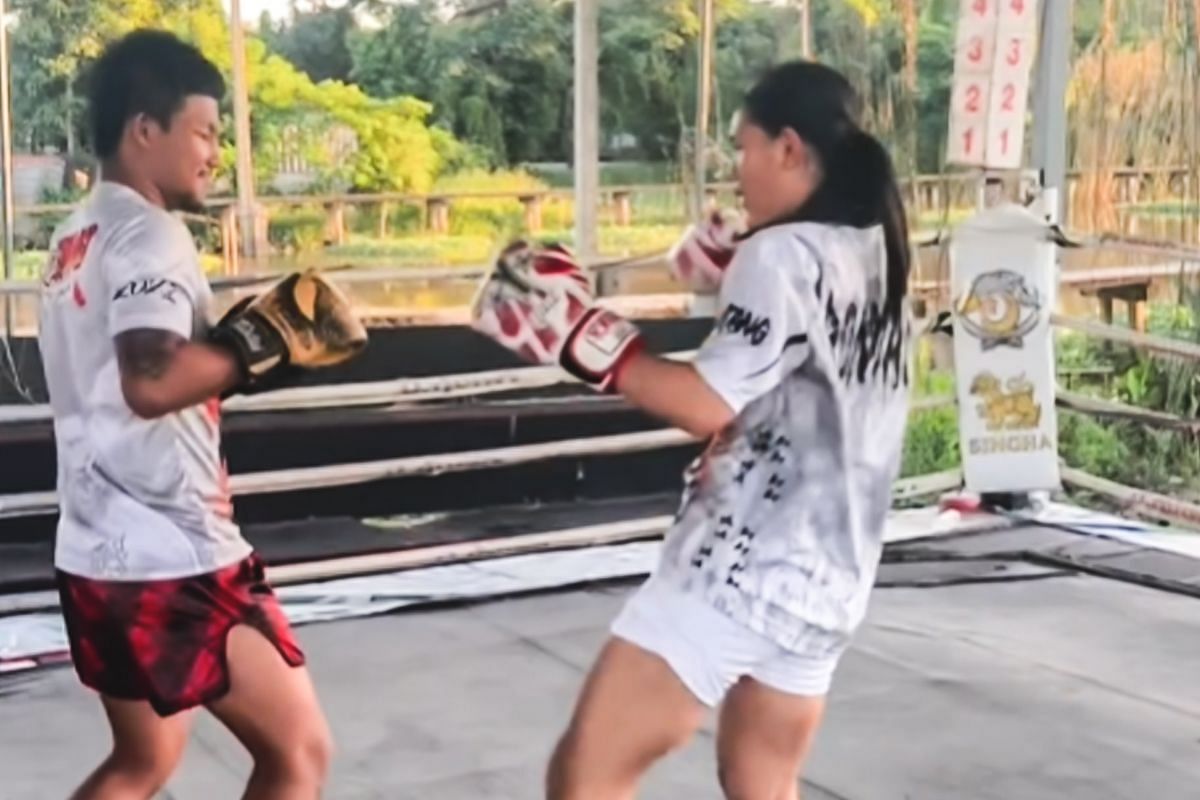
251,233
806,29
1049,106
703,105
587,127
6,164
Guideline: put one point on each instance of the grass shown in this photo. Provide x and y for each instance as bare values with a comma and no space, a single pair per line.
467,249
619,173
27,264
1168,208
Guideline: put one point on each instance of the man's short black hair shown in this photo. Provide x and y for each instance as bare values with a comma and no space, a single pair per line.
146,72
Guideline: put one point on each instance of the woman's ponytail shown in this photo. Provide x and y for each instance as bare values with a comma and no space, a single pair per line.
863,173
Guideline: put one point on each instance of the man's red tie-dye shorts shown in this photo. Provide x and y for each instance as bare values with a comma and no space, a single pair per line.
164,641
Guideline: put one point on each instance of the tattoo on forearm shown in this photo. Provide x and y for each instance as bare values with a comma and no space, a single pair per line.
146,353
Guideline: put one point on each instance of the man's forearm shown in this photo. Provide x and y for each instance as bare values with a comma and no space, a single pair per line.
674,392
161,372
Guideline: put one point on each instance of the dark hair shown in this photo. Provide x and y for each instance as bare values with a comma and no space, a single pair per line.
859,187
146,72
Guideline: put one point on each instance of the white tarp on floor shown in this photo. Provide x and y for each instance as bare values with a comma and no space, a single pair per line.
26,640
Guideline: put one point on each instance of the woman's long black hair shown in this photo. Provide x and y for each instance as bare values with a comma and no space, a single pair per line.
859,186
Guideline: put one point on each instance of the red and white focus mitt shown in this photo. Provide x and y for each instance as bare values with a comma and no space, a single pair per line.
700,258
538,303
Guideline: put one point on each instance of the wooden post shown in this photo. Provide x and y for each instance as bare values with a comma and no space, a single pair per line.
438,212
335,222
384,210
229,239
533,212
624,207
254,243
1106,307
1136,298
1138,317
586,126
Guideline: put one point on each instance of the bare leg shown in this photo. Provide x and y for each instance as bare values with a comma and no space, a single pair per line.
763,737
146,750
272,708
632,711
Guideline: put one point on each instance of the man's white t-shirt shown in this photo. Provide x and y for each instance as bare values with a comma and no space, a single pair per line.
782,518
139,499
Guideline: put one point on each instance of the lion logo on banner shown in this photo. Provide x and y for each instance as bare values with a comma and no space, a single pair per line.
1010,407
1000,309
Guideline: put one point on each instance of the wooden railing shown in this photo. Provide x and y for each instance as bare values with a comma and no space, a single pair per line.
926,195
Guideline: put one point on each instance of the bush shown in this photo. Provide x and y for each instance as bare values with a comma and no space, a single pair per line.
297,230
931,442
27,264
1092,446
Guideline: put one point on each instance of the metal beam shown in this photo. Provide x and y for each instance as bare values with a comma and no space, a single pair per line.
587,126
6,163
806,47
1049,105
703,106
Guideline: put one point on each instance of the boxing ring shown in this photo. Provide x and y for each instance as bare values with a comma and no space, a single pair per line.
1045,652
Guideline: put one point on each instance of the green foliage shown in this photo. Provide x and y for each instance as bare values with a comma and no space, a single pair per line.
1129,452
1076,351
396,149
501,82
499,216
1093,446
931,442
297,230
28,264
617,173
935,65
317,42
417,250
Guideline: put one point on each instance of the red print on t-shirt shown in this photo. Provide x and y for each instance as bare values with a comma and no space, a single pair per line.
68,258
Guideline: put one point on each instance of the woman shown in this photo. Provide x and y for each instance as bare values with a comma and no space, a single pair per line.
802,386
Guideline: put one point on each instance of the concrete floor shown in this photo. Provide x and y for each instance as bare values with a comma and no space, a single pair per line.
1067,687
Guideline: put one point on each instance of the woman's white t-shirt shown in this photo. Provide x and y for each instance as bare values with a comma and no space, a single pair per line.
782,518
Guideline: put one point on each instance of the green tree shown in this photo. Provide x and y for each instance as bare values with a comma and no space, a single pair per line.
316,40
56,41
500,80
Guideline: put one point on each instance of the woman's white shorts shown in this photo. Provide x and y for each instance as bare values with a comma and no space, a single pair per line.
710,651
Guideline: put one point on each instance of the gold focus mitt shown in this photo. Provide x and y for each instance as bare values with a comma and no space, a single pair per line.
302,322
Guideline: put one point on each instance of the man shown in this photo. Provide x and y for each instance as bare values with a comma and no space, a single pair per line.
166,605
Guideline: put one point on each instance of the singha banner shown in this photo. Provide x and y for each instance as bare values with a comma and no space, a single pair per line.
1002,273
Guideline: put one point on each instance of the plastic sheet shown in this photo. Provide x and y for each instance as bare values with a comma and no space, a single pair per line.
30,640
